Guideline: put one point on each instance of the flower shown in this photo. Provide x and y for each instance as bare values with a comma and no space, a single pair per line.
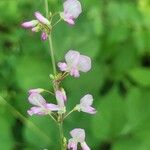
85,104
40,105
40,24
78,136
75,63
72,9
61,99
38,90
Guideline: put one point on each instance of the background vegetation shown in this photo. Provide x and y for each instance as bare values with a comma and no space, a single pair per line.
116,34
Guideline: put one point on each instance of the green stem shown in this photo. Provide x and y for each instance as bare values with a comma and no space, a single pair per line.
56,22
50,42
52,117
69,113
61,134
60,124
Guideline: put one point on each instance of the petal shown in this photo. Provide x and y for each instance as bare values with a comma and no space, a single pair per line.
74,72
61,98
78,135
41,18
70,21
88,109
72,58
44,36
36,110
52,107
66,18
84,64
72,8
62,66
38,90
85,146
36,99
30,24
72,145
87,100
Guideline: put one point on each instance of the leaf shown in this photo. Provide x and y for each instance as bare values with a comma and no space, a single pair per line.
44,136
141,76
110,118
6,137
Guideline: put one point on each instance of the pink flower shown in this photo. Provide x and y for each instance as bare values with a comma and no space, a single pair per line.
41,18
40,105
72,9
75,63
30,24
61,98
85,104
44,36
40,24
78,136
38,90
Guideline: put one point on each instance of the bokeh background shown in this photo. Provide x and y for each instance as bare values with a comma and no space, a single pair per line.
116,35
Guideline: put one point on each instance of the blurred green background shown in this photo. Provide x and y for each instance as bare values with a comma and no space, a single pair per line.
116,35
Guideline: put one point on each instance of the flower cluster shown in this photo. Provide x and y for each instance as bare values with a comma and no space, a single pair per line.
74,64
40,24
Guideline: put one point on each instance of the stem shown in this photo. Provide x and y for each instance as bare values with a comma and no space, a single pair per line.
52,117
56,22
61,134
49,92
50,42
69,113
52,54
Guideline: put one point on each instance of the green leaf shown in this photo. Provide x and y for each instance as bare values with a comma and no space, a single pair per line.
140,76
110,118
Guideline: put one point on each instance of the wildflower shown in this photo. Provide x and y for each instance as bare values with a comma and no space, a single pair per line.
40,24
61,98
72,9
75,63
85,104
78,136
38,90
40,105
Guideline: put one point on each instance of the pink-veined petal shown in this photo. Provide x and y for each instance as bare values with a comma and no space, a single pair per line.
84,64
41,18
36,99
29,24
85,146
72,58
